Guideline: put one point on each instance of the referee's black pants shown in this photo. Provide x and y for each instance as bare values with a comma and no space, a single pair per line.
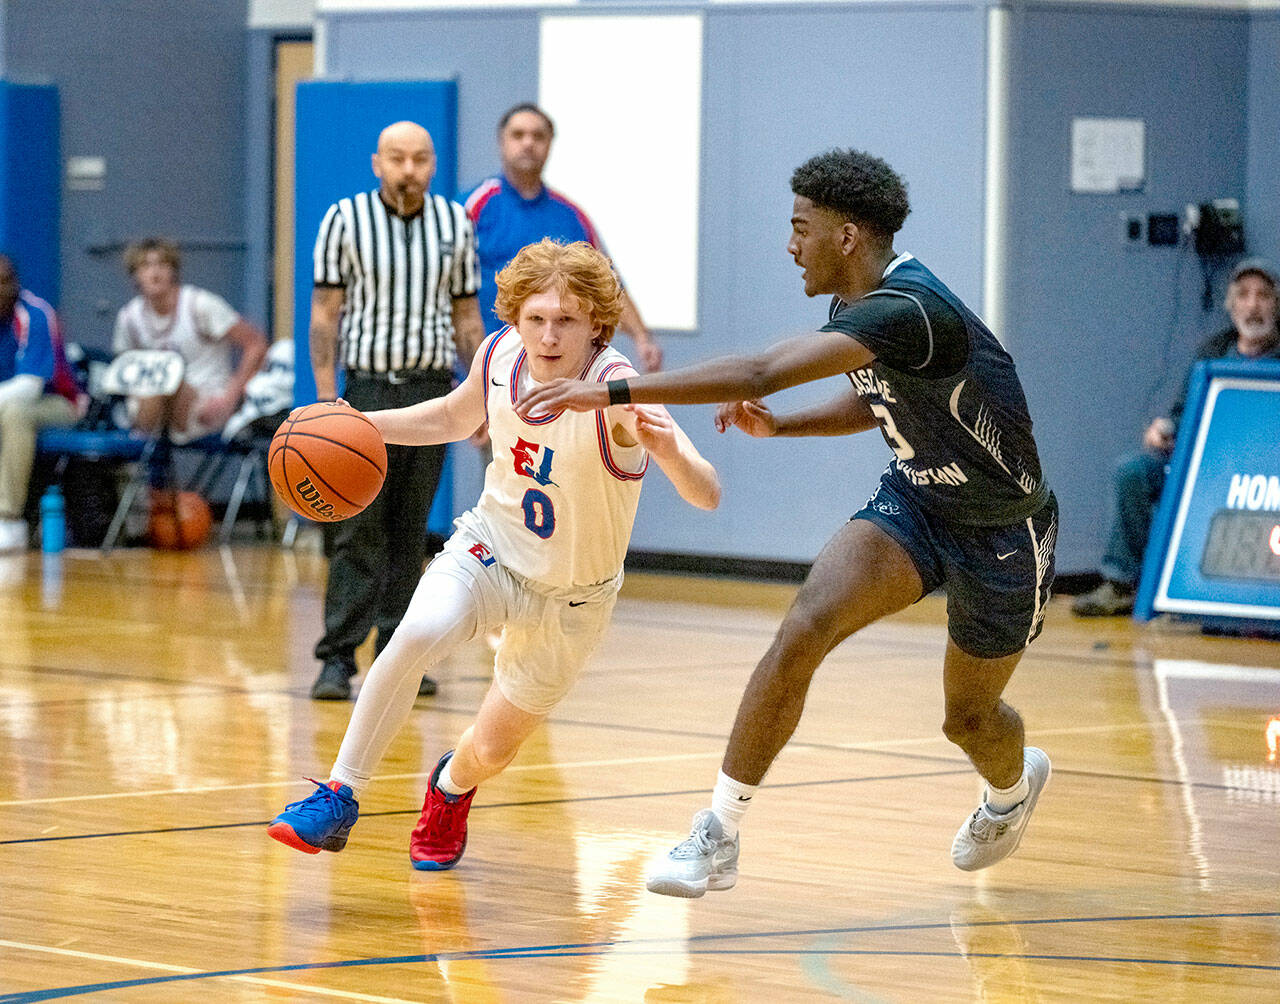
376,557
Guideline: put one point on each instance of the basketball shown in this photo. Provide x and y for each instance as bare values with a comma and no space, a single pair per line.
179,522
327,461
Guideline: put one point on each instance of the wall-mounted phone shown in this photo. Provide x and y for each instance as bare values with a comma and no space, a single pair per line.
1217,227
1217,230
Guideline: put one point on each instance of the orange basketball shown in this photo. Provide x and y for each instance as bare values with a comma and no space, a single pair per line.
327,461
179,522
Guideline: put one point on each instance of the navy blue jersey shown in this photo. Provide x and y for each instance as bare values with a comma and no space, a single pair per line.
947,398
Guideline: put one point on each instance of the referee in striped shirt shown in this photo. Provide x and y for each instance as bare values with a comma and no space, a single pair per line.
396,278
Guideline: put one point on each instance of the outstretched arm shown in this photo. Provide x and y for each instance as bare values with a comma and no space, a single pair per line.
842,415
440,420
731,378
653,428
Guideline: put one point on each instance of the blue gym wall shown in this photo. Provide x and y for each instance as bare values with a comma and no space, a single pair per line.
257,169
1102,329
156,88
1262,195
180,107
781,500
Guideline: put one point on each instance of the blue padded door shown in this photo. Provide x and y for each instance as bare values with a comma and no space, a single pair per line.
29,184
337,131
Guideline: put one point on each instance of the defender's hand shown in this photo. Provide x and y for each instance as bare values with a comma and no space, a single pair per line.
752,417
562,394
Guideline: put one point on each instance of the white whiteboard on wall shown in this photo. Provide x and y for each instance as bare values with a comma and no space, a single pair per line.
1108,155
626,96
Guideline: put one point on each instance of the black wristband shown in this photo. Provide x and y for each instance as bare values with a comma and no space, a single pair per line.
619,392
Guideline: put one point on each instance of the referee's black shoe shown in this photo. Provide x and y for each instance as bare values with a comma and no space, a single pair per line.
334,681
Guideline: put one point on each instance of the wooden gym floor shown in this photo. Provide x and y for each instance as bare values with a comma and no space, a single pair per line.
154,716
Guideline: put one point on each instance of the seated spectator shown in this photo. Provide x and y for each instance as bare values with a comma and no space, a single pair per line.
198,325
36,390
1139,478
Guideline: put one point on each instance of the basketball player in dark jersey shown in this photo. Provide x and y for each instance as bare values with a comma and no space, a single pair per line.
963,504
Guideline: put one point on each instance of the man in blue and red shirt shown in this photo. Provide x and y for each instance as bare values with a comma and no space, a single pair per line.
515,208
36,389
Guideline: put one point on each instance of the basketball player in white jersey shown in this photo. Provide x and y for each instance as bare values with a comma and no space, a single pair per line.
202,328
539,556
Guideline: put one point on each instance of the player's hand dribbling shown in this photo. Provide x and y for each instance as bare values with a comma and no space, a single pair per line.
563,394
752,417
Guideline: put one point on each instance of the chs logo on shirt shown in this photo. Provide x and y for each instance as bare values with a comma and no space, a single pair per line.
523,458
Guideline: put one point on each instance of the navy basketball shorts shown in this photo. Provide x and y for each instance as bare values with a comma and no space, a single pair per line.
997,577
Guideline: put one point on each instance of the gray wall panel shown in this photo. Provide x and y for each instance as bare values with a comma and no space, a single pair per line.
908,86
493,56
770,101
159,94
1262,204
1104,330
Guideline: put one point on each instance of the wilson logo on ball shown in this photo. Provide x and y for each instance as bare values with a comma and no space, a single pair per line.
327,461
310,494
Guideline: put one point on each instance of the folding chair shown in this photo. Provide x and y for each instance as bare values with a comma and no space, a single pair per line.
138,372
250,450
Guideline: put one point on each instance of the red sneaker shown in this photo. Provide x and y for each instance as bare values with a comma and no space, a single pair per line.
440,837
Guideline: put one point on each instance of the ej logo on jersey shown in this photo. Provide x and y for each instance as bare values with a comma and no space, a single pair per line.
482,554
523,454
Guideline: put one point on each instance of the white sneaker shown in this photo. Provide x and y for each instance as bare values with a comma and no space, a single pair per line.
987,836
707,860
13,535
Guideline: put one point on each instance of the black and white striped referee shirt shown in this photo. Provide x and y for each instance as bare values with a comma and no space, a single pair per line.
401,276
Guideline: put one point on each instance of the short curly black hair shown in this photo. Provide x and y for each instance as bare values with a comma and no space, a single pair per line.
856,184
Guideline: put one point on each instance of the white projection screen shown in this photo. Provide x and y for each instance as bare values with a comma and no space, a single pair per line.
626,96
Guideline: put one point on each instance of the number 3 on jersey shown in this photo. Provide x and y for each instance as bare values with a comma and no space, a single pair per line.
901,448
539,513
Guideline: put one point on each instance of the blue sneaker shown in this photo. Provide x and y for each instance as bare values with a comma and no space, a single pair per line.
320,822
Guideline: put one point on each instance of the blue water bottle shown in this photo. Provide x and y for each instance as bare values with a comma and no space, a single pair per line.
53,521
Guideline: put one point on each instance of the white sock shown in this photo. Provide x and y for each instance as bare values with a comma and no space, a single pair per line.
446,783
355,787
730,802
1001,800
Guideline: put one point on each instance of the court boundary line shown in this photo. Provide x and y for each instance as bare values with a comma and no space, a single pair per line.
585,799
528,803
690,945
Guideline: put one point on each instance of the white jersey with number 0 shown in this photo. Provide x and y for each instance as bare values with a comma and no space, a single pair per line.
560,495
